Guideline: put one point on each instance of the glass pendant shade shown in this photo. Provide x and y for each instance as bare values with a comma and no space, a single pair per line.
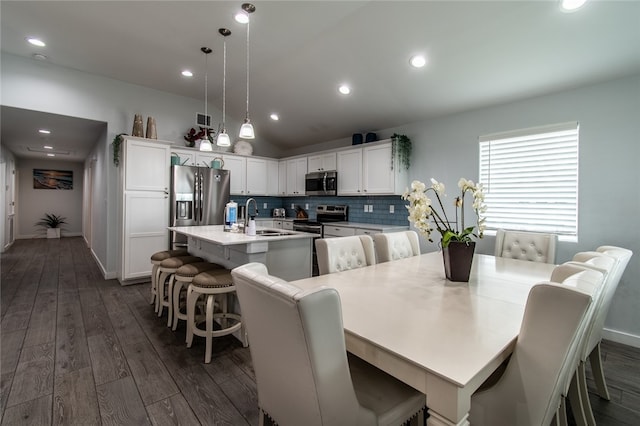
205,145
246,130
223,139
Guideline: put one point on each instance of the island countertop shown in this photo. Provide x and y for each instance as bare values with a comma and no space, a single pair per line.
216,234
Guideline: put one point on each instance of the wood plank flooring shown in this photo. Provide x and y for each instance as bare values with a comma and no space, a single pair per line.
78,349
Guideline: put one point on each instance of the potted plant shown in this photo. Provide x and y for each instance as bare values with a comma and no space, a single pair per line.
117,141
52,222
401,149
193,136
456,238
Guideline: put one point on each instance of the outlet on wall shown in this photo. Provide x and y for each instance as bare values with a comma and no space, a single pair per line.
306,206
366,208
264,205
293,206
391,208
370,208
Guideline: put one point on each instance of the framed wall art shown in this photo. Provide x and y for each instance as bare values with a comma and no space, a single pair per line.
52,179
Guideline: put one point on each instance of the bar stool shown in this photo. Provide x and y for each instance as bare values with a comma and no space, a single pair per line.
180,281
167,268
214,284
156,260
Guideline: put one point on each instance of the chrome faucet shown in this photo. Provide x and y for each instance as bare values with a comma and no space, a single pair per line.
246,213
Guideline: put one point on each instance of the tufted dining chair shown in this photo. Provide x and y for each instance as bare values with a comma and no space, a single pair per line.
396,245
531,246
344,253
303,373
589,280
529,391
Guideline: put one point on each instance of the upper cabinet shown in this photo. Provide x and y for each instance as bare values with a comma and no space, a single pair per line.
296,170
369,171
237,167
184,157
321,162
273,177
145,165
256,176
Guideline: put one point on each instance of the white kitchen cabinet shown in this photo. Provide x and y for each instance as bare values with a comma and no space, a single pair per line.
287,224
282,178
321,162
273,177
256,183
144,205
187,157
368,171
237,167
330,231
349,166
296,171
365,231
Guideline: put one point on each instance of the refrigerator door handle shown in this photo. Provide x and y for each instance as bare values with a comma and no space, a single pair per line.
201,195
196,196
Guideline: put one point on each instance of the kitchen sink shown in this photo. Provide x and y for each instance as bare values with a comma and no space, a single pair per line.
272,232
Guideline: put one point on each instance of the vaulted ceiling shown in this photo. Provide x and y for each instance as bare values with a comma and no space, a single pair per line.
479,53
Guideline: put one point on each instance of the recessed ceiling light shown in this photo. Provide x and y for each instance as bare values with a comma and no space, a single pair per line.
39,57
241,17
571,5
47,147
418,61
275,117
36,41
187,73
344,89
44,131
51,155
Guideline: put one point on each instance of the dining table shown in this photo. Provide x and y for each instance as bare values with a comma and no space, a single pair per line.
440,337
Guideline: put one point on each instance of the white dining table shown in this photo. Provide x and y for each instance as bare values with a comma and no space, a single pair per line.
443,338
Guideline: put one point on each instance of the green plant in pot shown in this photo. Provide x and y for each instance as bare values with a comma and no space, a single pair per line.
52,222
401,149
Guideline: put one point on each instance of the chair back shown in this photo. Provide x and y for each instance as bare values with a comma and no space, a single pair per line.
590,282
531,246
528,393
396,245
344,253
298,350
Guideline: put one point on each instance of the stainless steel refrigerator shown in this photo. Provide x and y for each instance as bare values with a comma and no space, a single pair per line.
198,197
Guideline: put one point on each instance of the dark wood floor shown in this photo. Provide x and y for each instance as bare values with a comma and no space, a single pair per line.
76,349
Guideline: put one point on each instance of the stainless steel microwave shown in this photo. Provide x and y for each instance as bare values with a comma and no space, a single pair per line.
321,183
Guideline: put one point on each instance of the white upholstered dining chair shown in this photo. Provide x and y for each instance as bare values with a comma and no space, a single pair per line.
344,253
303,373
529,391
531,246
396,245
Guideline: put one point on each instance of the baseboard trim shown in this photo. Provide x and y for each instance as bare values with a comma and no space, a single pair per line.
105,274
621,337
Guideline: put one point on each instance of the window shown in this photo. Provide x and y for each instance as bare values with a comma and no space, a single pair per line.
531,179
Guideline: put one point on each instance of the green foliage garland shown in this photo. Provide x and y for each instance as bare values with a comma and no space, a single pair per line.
401,149
117,141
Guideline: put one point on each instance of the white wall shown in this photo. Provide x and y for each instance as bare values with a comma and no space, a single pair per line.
34,203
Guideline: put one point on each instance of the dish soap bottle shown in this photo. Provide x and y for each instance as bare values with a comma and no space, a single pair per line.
251,227
230,216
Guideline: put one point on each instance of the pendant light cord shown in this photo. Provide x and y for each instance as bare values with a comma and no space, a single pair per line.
224,82
206,72
247,112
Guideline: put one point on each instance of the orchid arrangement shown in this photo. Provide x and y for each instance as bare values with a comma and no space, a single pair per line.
421,211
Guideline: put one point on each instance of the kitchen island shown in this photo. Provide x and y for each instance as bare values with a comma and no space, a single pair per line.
287,254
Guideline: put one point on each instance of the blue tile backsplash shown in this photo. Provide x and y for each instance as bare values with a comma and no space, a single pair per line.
380,214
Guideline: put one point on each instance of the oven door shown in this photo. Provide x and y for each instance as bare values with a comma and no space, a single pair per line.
312,229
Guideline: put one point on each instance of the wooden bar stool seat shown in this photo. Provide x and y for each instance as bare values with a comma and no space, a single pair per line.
183,277
156,260
166,271
213,284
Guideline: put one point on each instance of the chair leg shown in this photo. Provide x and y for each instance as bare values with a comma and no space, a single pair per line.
561,413
162,279
584,394
154,279
576,402
172,282
595,358
209,326
178,286
192,299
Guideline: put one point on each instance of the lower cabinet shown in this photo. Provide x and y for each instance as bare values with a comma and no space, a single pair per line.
330,231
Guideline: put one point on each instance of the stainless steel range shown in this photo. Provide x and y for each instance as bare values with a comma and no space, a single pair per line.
324,214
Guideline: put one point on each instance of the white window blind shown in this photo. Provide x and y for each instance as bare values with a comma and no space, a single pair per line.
531,179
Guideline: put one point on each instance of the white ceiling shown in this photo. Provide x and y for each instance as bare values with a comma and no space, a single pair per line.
480,53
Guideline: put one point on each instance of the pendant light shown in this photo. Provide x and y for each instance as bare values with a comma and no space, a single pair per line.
223,137
246,130
205,144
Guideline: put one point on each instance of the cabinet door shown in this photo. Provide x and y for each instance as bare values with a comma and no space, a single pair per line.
321,162
377,174
204,159
256,176
364,231
146,166
273,177
187,158
350,172
338,231
146,217
237,167
282,178
296,170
